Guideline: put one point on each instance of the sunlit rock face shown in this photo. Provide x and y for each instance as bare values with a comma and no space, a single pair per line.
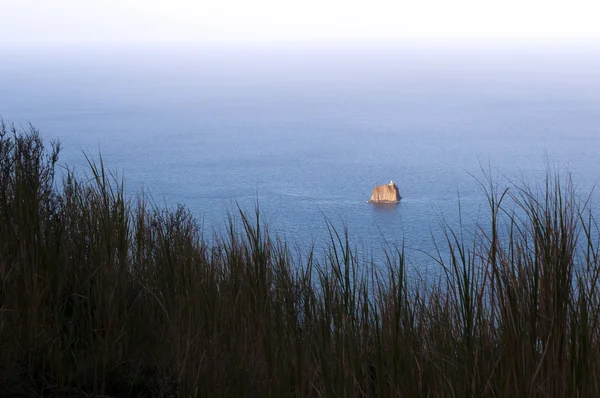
386,193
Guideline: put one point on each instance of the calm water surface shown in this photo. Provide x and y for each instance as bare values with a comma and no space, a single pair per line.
307,131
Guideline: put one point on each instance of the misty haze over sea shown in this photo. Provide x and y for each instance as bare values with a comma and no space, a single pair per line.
309,130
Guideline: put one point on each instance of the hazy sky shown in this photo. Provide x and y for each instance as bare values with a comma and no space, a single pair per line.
299,20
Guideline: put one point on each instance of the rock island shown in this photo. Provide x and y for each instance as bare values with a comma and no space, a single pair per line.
386,193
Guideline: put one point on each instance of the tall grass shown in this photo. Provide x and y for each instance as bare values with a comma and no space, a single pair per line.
104,295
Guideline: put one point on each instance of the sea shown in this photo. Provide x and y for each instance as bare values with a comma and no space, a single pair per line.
306,130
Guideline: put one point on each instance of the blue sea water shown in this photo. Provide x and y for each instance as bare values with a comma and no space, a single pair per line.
307,131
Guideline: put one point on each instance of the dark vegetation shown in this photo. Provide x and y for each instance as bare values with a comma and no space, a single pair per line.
101,295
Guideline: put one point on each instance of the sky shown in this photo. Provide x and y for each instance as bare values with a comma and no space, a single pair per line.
154,21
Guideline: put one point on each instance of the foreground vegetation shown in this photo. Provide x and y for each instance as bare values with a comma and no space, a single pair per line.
101,295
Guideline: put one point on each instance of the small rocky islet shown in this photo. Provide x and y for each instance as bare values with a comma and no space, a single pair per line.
386,193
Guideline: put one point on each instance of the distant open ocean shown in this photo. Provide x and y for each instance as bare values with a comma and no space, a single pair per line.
309,130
